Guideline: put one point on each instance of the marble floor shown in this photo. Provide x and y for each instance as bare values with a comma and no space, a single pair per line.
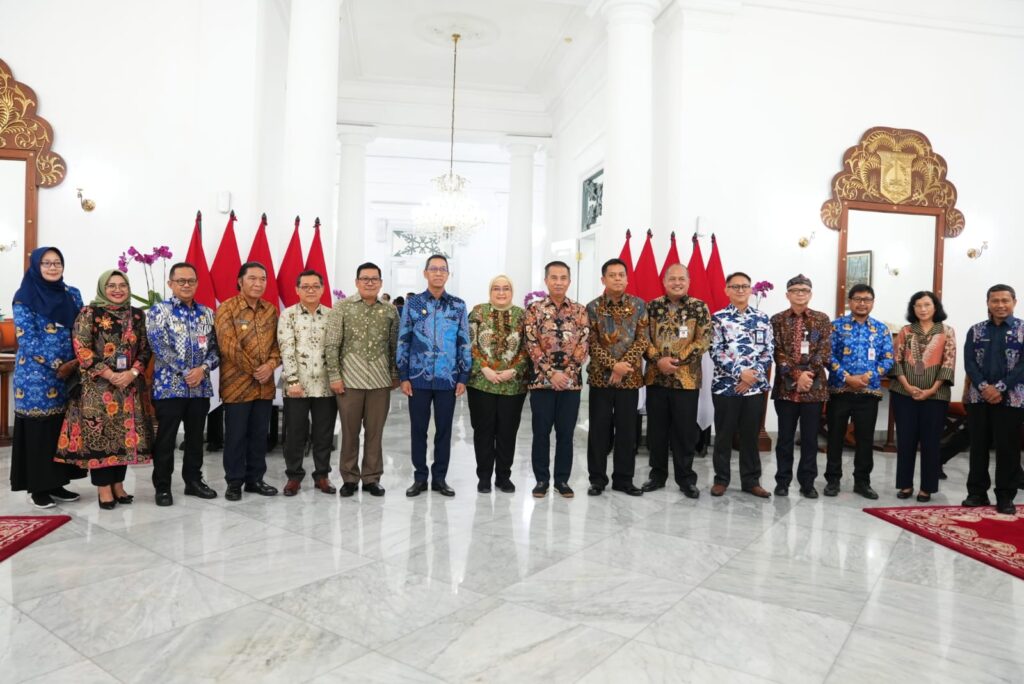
500,588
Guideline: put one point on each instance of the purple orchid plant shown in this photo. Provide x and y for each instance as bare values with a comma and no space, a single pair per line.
761,290
532,297
338,295
162,253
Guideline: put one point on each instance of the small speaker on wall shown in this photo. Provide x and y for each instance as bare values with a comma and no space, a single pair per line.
224,202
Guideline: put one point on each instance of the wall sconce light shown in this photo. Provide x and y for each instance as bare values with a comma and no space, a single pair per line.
87,204
8,246
892,270
804,241
975,252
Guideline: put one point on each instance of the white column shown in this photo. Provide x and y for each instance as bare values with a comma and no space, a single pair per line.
519,235
310,120
350,240
628,142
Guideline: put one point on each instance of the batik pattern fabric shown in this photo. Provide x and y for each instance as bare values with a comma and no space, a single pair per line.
741,340
791,331
497,342
246,340
361,344
924,358
859,348
43,346
433,342
106,425
682,331
618,332
994,355
557,341
182,338
301,339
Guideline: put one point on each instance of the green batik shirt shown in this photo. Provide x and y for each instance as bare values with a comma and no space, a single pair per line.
360,344
497,341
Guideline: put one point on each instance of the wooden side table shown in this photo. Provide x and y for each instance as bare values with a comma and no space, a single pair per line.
6,370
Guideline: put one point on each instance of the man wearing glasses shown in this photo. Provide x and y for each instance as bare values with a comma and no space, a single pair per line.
307,392
433,361
181,335
362,336
861,357
803,346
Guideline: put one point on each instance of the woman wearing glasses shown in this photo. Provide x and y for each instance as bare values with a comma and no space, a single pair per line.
497,386
106,427
44,313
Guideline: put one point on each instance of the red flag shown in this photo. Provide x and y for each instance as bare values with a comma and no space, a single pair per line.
699,286
291,267
716,278
671,259
260,252
224,272
626,255
315,260
197,257
646,274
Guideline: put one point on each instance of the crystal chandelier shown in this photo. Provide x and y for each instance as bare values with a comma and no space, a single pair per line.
449,214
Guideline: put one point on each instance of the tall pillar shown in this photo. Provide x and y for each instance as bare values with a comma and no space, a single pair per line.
350,242
519,236
628,141
310,118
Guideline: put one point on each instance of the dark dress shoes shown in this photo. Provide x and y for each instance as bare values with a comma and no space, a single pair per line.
324,485
484,487
164,498
565,490
1006,507
506,486
630,489
260,487
832,489
690,491
809,492
416,489
540,491
781,490
718,489
594,490
125,499
904,493
65,495
758,491
200,489
975,500
865,490
442,488
651,486
924,497
374,489
106,505
291,487
233,493
350,488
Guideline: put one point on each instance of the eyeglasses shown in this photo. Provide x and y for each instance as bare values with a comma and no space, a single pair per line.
310,288
739,288
51,264
799,290
501,288
368,280
185,282
116,286
862,300
437,269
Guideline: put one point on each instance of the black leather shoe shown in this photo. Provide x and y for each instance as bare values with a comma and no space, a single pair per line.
975,500
942,474
106,505
374,489
865,490
924,497
416,489
62,494
484,487
442,488
781,490
594,490
1006,507
164,498
540,491
125,499
565,490
832,489
348,489
632,490
904,493
233,493
690,491
261,488
809,492
651,486
506,486
200,489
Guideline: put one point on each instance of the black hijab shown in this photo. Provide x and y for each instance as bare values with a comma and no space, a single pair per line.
51,300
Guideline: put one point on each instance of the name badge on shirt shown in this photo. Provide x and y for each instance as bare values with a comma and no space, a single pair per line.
871,353
684,332
201,339
805,348
121,362
759,337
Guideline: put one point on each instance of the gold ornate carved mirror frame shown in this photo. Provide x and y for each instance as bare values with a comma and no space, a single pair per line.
892,170
27,137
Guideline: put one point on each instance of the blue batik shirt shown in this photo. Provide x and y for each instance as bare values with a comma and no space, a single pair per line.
741,340
859,348
43,346
182,338
994,355
433,342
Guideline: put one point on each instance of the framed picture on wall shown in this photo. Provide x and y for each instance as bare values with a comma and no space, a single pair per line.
858,268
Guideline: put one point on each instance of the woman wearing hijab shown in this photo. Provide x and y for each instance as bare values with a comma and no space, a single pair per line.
44,313
107,428
497,384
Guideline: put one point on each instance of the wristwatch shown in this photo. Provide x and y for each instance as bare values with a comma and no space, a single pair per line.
135,372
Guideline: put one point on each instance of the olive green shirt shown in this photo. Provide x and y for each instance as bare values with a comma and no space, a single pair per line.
360,344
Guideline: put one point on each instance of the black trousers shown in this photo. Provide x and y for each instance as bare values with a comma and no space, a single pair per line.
808,416
420,403
215,429
918,423
558,409
863,409
298,412
170,414
102,477
35,444
495,419
1003,424
618,408
245,441
672,422
742,416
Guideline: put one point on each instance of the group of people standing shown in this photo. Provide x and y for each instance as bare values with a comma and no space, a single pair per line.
83,404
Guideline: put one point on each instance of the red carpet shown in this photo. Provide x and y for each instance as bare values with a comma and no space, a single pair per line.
17,532
981,533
